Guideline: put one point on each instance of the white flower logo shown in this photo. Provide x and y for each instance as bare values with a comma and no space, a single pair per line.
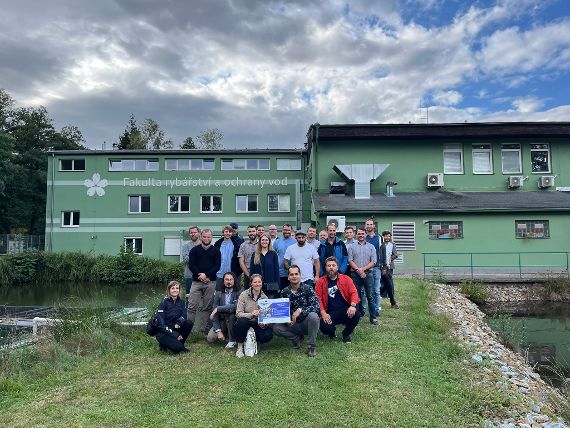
95,185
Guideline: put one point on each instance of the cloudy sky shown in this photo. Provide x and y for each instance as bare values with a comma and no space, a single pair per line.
263,71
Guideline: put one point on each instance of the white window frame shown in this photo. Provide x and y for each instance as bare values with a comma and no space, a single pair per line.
487,150
289,166
72,216
453,225
73,167
453,149
179,197
211,204
532,224
404,235
122,163
190,160
134,238
547,150
229,164
506,149
172,246
140,204
278,210
247,203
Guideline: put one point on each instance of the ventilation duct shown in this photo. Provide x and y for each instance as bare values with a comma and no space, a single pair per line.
362,174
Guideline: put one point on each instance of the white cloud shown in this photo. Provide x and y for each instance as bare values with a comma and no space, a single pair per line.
527,104
447,98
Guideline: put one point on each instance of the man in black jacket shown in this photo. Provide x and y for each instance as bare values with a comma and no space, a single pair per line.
204,261
236,241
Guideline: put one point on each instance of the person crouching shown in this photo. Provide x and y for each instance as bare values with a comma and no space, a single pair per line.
173,327
223,315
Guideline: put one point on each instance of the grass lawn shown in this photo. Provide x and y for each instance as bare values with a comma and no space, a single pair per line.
404,372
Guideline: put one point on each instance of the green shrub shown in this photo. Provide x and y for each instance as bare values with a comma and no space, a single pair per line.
474,291
557,285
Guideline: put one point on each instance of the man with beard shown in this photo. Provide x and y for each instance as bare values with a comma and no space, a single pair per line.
304,256
333,246
373,238
280,246
194,233
338,300
362,258
387,287
246,250
228,245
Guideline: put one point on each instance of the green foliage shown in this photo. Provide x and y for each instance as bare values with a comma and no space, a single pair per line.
475,291
438,274
555,285
512,332
148,136
38,267
210,139
188,144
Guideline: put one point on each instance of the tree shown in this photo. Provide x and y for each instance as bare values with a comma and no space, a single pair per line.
153,137
131,138
188,143
210,139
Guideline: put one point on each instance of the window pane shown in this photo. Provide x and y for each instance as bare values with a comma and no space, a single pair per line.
511,161
539,161
75,218
482,162
66,164
173,203
196,164
208,164
140,165
227,164
241,203
145,204
252,203
153,165
273,203
128,165
217,202
183,164
138,245
295,164
452,162
239,164
66,218
252,164
263,163
205,203
284,203
185,204
79,164
170,164
282,164
133,204
115,165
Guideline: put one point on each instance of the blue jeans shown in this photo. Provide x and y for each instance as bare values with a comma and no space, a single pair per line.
187,285
367,283
377,279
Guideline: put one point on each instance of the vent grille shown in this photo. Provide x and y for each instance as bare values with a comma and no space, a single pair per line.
404,235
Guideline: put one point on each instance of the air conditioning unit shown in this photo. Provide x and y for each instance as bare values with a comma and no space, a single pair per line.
515,181
338,220
546,181
434,179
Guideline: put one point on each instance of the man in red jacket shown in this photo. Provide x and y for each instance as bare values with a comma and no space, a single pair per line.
338,300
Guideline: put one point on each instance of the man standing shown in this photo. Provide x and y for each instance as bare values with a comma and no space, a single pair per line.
389,248
280,246
228,245
362,258
194,233
272,233
338,299
204,261
333,247
304,307
348,241
312,237
260,229
246,249
235,230
304,256
373,238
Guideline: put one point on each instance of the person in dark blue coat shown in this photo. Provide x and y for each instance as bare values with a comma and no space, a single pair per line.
173,327
333,247
265,262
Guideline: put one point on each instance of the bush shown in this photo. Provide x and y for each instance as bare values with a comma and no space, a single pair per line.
474,291
556,285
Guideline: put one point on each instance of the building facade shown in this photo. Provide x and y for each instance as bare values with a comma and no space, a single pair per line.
100,200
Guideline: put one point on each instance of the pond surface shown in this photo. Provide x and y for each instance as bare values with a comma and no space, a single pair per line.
539,331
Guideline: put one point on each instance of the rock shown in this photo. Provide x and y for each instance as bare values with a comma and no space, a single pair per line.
478,358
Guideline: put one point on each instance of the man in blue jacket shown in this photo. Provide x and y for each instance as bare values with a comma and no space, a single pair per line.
333,247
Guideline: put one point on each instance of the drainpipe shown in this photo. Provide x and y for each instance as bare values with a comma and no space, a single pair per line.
315,173
50,248
390,188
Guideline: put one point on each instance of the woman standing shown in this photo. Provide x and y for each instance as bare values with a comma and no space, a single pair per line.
265,261
224,314
173,327
247,311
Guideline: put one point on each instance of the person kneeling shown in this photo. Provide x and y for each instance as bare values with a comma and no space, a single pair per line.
247,311
338,299
304,307
224,314
173,327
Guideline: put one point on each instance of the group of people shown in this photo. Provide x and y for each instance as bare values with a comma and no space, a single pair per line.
328,282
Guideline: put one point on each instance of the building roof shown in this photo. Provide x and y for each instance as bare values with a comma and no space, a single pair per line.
186,152
444,201
437,130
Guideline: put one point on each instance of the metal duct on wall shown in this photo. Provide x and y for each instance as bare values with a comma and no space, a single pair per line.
362,174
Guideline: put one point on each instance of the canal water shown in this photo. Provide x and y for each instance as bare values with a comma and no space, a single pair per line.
539,331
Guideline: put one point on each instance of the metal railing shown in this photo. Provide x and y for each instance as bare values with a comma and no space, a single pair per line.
508,264
19,243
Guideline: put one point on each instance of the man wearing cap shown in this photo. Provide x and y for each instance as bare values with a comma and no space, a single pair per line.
194,233
235,229
304,256
246,250
280,246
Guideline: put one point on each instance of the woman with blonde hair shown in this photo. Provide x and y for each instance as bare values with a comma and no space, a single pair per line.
265,262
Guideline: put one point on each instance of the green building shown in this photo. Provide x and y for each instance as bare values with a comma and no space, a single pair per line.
482,198
100,200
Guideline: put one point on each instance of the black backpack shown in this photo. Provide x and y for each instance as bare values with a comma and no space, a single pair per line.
152,325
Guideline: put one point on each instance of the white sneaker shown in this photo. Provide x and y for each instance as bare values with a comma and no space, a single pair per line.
239,353
231,345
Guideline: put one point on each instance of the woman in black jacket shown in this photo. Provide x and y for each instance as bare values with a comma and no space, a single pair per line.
173,327
265,262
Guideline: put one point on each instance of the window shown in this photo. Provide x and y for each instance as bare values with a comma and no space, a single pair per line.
511,158
453,159
211,204
189,164
134,244
139,204
70,219
289,164
540,158
246,203
245,164
482,159
279,203
72,165
172,246
404,235
178,203
445,230
133,165
532,229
